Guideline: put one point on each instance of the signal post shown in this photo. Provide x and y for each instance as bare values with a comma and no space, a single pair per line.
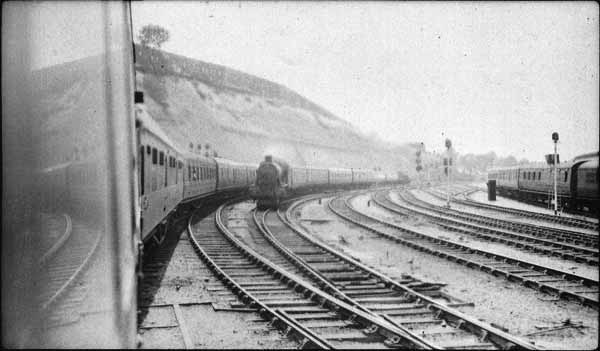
448,168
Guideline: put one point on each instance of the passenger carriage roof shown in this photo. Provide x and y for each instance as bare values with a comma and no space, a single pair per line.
224,161
590,164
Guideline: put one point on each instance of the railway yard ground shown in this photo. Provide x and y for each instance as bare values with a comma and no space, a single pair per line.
377,268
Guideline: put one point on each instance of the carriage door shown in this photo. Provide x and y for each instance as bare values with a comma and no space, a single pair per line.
573,183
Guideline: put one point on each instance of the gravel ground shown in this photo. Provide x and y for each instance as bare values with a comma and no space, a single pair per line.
584,270
521,310
187,281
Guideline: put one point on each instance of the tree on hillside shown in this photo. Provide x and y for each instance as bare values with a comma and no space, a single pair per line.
153,35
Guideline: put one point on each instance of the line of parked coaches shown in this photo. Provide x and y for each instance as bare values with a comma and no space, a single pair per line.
577,182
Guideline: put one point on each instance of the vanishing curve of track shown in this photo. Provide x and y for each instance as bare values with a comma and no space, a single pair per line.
576,222
446,219
561,284
569,236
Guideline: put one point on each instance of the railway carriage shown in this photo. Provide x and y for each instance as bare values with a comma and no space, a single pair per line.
318,177
298,177
232,176
585,184
160,174
339,176
362,176
576,182
200,177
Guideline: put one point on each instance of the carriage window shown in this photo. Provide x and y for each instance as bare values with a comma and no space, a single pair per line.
161,158
154,153
566,175
180,164
148,150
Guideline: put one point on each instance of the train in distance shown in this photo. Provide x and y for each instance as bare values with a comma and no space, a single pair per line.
276,180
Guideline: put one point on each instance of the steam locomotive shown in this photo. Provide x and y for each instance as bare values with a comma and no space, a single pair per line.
276,180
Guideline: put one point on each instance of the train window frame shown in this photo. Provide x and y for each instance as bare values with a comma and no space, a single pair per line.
566,175
148,149
161,158
154,155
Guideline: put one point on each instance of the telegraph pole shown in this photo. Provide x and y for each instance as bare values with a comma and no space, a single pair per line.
555,139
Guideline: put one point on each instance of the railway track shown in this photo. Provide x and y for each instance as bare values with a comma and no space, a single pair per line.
561,284
458,223
488,223
305,313
412,304
61,266
566,221
570,236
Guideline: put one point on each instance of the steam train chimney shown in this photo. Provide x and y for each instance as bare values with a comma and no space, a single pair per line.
268,158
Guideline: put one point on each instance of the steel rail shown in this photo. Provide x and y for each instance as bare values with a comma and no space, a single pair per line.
59,243
541,286
304,336
322,281
501,223
588,256
453,316
327,285
61,290
575,222
392,334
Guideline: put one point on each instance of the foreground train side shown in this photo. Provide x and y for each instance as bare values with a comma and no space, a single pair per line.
276,180
576,183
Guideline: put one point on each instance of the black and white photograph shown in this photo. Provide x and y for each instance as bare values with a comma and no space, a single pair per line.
300,175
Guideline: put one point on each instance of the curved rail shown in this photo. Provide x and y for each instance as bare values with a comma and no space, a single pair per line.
568,221
563,284
229,254
522,241
540,231
387,289
73,269
59,243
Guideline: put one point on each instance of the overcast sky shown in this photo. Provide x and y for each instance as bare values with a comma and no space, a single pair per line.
490,76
